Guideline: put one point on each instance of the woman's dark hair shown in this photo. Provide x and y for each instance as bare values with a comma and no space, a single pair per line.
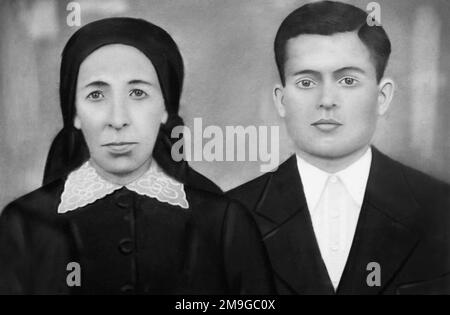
328,18
69,149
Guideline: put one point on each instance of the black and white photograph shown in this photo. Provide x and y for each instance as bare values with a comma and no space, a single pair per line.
209,149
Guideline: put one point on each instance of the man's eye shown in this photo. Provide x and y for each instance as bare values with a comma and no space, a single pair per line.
348,81
306,83
95,96
137,93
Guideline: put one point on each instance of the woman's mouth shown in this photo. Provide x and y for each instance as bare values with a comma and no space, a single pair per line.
326,125
119,147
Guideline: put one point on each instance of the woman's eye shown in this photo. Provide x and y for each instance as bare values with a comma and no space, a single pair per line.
137,93
95,96
306,83
348,81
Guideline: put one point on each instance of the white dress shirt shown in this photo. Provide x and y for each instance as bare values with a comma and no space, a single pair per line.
334,202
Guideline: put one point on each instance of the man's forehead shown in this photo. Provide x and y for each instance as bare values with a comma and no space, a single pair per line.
326,52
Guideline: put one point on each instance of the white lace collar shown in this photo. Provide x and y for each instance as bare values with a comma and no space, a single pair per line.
84,186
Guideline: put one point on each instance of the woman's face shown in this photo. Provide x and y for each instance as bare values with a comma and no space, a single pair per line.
119,109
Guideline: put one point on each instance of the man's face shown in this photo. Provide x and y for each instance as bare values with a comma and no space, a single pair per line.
331,100
119,107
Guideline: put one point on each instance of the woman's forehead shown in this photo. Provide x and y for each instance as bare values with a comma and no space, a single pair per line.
116,61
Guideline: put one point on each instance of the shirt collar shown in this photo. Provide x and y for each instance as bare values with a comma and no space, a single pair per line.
354,178
84,186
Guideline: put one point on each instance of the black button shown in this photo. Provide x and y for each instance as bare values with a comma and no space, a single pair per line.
124,199
126,246
127,288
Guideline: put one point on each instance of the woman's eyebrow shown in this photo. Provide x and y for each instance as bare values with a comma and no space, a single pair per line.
139,82
96,84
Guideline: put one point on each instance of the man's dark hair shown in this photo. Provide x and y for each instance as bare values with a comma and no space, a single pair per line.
328,18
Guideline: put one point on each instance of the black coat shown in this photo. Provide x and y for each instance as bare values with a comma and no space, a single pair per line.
128,243
404,226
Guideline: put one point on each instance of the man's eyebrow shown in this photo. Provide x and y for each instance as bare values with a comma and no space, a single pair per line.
96,84
349,69
137,81
338,71
307,71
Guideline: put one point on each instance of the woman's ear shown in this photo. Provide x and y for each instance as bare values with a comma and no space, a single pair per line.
77,122
278,100
386,89
164,117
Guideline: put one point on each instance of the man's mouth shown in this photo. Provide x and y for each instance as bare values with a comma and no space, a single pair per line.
326,124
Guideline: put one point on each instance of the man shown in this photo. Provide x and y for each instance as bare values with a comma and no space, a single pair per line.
339,216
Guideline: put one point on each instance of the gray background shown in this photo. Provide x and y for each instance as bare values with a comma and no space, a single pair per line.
230,72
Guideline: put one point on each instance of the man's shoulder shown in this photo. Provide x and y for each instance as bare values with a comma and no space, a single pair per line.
282,170
425,183
433,196
424,200
424,187
250,192
432,221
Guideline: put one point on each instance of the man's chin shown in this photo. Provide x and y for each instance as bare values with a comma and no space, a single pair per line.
331,152
328,152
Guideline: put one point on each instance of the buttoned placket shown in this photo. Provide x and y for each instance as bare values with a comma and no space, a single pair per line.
126,245
335,226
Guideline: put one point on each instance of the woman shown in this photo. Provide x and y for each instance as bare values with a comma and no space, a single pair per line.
116,213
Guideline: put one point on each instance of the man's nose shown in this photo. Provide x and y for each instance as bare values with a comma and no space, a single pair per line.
328,97
119,117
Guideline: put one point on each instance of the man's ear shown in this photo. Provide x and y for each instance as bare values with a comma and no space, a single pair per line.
386,89
164,117
278,100
77,122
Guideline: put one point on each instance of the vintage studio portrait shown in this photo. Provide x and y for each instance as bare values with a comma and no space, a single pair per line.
215,148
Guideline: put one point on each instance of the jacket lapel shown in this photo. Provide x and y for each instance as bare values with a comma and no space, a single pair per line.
384,233
288,233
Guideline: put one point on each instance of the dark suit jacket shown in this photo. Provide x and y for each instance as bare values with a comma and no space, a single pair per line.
128,243
404,226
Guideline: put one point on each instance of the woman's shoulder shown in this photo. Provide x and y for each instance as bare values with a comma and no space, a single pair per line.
40,203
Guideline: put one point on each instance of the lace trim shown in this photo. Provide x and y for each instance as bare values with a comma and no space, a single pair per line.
84,186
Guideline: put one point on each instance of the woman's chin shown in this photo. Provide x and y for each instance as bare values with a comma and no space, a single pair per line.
119,167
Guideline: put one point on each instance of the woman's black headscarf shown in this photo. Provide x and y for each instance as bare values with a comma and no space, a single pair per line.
69,149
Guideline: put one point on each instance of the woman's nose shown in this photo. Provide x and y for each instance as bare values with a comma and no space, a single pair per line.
119,117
